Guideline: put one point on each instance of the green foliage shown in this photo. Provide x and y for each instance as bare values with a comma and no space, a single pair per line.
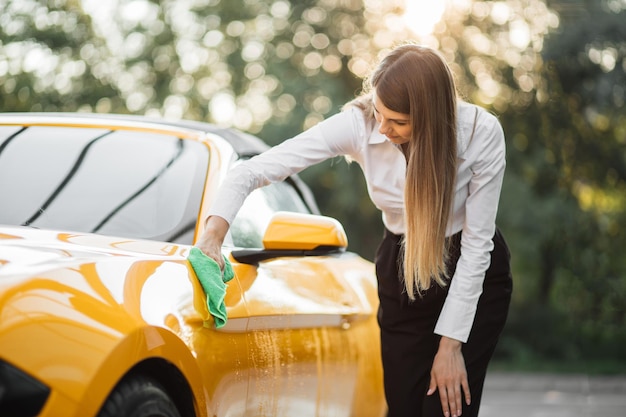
48,57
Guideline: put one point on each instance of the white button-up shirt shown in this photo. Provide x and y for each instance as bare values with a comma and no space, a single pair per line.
481,163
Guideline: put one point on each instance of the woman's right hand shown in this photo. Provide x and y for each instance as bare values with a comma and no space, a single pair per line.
212,238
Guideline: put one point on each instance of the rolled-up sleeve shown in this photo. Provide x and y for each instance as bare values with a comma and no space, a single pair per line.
487,151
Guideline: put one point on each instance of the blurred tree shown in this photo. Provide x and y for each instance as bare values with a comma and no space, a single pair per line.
583,127
50,58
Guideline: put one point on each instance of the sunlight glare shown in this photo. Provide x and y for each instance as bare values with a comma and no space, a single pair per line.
421,16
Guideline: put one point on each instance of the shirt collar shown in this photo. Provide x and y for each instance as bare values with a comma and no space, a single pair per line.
376,136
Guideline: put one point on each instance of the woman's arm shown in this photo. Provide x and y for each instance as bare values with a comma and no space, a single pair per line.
485,173
448,373
332,137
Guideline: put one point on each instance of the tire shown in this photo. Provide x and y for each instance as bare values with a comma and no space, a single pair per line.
139,396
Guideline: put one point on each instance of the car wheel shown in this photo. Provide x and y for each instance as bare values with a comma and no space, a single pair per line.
139,396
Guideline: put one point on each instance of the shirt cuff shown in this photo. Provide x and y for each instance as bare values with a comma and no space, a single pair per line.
456,319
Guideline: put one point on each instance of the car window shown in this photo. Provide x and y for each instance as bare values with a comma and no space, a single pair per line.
249,226
122,183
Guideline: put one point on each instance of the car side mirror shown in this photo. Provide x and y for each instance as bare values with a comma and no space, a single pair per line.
296,234
297,231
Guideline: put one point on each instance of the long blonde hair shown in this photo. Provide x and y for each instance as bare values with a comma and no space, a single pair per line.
416,80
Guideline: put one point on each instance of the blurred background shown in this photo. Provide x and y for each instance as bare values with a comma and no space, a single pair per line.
553,71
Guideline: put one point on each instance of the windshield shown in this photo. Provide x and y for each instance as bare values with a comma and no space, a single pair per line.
122,183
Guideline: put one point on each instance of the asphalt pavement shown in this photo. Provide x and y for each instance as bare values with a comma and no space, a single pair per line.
549,395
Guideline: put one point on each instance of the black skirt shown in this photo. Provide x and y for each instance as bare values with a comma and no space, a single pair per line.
408,341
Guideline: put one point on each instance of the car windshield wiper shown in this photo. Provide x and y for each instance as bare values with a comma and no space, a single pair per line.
179,151
66,180
10,138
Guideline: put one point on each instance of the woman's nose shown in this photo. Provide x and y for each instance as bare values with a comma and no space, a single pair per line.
384,127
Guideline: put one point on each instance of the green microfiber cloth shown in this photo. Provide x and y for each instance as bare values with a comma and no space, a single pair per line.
213,281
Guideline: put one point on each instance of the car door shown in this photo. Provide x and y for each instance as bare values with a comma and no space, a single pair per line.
306,324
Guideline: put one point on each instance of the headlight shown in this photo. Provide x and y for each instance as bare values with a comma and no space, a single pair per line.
20,394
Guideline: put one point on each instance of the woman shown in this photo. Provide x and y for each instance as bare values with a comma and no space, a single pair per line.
434,167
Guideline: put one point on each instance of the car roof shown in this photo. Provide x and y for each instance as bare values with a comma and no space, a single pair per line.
244,144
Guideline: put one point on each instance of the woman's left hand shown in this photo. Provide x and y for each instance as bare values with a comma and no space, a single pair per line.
449,376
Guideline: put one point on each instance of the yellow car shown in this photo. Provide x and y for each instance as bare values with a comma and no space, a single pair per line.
101,313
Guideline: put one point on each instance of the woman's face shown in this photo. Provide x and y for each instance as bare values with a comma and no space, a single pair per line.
396,126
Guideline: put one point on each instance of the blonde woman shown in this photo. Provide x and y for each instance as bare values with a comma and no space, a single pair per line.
434,167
